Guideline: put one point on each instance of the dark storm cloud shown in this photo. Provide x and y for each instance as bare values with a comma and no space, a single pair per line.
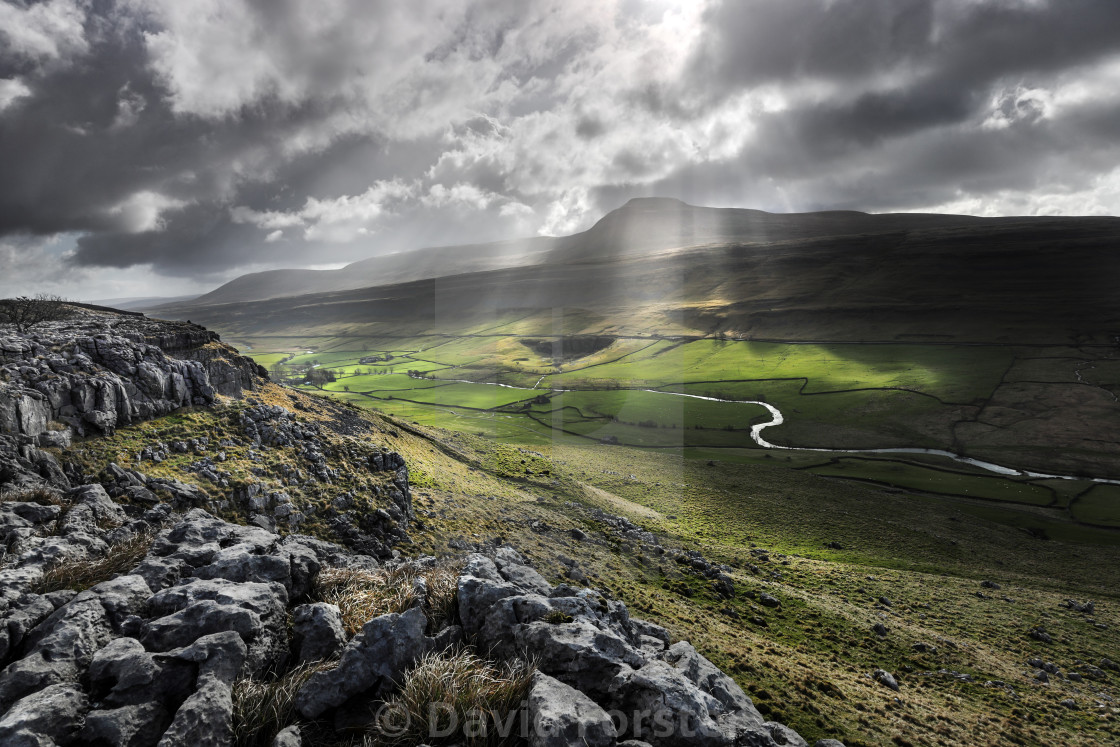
908,103
752,43
196,139
957,41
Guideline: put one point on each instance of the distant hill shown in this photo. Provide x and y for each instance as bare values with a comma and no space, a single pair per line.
141,302
640,226
382,270
661,266
650,223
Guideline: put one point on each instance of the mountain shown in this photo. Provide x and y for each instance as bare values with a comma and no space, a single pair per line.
648,224
382,270
642,225
661,266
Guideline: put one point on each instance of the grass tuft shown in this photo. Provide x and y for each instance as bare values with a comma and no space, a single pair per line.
80,575
262,709
363,595
42,495
557,617
459,696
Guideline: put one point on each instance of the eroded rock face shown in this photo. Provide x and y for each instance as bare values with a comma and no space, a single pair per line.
317,632
377,657
561,715
151,656
659,694
97,372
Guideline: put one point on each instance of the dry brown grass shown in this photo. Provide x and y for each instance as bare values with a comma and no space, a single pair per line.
263,709
363,595
40,494
80,575
450,697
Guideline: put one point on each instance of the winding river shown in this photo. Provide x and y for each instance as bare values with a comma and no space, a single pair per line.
776,418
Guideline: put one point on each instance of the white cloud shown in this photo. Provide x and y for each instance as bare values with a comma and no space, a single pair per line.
1100,196
335,220
435,121
130,105
11,89
267,220
41,32
460,195
143,211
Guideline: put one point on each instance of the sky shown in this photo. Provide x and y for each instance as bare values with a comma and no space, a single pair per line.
161,147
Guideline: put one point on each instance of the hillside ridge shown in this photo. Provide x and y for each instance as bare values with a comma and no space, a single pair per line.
138,609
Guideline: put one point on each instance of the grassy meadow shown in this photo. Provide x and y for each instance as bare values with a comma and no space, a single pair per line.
1027,408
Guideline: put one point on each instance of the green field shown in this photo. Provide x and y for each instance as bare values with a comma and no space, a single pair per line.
971,399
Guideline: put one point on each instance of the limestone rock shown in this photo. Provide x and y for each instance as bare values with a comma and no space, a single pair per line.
59,650
560,715
54,713
138,725
376,657
205,718
317,632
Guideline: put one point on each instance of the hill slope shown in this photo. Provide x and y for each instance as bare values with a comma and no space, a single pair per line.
662,266
382,270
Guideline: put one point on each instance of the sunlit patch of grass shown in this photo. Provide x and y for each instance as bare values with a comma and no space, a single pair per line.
363,595
445,692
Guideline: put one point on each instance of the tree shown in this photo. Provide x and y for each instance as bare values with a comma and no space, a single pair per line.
25,312
320,376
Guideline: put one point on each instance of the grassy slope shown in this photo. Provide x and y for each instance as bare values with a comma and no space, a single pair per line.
806,663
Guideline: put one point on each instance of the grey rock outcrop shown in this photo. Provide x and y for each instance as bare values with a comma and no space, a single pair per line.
561,715
48,716
670,695
372,661
99,371
317,632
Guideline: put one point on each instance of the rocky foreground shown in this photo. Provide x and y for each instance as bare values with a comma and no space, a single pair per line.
131,614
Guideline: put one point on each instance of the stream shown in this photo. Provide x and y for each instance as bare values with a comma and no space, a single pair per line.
776,418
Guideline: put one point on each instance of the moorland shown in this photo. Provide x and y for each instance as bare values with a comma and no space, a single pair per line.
635,370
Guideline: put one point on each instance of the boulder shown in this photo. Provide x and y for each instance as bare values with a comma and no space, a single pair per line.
664,708
205,718
58,650
560,715
139,725
290,737
317,632
376,657
123,673
28,611
706,676
49,716
195,608
885,678
220,656
579,654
